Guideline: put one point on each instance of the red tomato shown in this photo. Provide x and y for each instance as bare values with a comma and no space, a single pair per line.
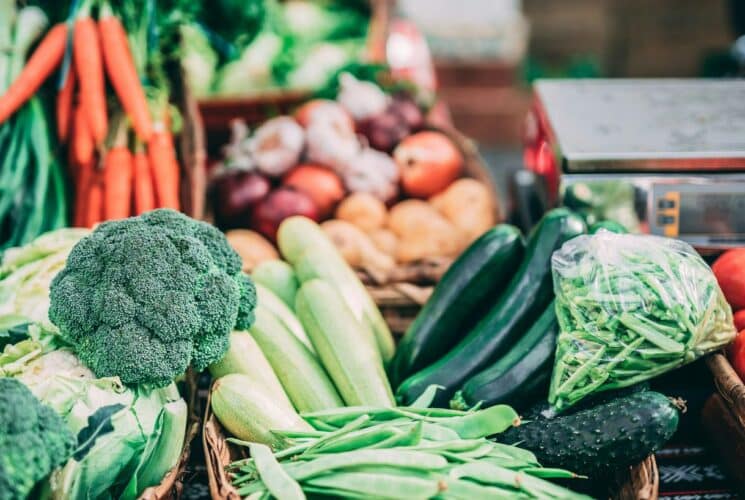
740,320
729,269
736,353
322,185
429,162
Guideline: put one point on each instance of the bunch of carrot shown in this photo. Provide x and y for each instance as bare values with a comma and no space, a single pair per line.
116,173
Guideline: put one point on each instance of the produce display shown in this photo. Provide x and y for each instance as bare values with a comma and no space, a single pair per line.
631,307
34,197
390,192
246,48
124,438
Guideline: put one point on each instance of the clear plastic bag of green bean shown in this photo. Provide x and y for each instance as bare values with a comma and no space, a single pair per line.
631,307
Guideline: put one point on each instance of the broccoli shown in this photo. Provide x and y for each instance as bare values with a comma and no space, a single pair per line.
34,440
143,298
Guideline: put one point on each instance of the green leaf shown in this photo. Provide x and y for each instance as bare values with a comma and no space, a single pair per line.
99,424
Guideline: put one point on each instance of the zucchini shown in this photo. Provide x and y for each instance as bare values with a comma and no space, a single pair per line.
341,342
250,413
244,357
598,440
277,276
459,300
608,225
269,301
527,295
302,376
521,374
304,244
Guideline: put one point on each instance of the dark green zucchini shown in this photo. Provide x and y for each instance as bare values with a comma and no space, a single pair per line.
608,225
527,295
459,300
520,375
606,437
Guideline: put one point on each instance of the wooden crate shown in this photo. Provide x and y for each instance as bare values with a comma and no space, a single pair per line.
171,486
640,482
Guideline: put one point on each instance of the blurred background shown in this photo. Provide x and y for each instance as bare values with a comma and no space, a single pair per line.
486,52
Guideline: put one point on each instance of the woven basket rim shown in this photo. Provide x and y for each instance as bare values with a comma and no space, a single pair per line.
728,384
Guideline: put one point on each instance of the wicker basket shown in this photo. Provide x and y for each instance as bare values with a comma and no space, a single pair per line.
171,485
727,436
640,482
729,385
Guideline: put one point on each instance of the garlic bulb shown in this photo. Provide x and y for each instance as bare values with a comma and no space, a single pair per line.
332,146
276,146
362,99
373,172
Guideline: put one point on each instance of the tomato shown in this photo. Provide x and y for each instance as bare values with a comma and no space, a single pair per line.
428,162
322,185
736,353
729,269
740,320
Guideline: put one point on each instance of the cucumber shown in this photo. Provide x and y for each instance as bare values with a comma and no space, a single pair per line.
277,276
303,378
459,300
527,296
608,225
348,354
521,374
598,440
251,413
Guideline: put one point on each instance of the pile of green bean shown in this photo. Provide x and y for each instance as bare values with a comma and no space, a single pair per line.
630,308
397,453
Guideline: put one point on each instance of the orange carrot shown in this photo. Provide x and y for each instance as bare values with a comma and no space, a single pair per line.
89,69
64,106
82,140
144,195
94,205
165,167
85,175
46,57
121,70
117,181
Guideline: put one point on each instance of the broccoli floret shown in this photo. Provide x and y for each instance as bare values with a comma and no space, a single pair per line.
143,298
34,440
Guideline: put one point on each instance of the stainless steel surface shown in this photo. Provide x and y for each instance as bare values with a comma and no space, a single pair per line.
660,125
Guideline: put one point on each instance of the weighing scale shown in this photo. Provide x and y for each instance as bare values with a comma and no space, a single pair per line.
680,144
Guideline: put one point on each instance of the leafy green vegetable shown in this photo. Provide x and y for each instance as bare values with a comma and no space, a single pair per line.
33,440
631,307
145,297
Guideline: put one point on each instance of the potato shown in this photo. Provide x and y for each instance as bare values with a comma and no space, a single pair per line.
422,232
252,247
363,210
385,240
358,249
467,204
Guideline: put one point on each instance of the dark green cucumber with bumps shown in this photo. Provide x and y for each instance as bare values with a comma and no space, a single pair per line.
459,300
527,295
598,440
519,376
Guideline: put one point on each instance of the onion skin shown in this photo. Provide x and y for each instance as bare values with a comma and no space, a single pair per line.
235,194
322,185
282,203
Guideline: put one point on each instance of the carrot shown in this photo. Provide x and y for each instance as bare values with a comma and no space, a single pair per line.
40,65
89,69
82,140
85,175
144,195
121,70
64,106
94,204
117,181
165,167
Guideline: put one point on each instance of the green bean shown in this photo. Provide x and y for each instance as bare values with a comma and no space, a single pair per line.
458,489
274,477
426,398
436,432
355,440
656,338
551,473
409,437
482,423
378,485
352,426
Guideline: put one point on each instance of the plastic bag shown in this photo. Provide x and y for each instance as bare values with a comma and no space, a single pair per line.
631,307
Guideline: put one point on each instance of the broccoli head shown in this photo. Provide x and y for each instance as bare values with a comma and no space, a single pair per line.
143,298
34,440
